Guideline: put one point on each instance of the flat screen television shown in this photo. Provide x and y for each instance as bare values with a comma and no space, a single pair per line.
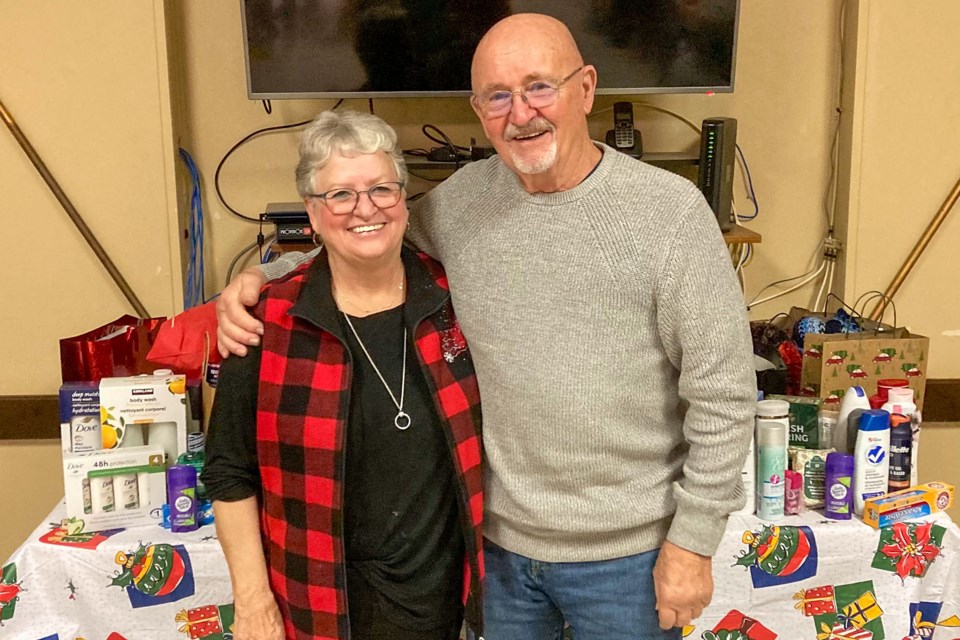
409,48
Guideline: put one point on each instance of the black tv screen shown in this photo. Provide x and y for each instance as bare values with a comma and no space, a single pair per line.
403,48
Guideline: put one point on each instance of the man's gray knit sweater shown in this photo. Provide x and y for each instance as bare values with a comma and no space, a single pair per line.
612,352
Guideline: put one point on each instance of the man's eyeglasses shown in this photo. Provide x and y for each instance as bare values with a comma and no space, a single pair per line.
537,94
343,200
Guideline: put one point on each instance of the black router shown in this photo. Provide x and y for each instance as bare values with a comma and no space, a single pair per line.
291,222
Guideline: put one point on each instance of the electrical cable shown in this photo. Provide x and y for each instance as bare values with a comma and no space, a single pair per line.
647,105
741,271
370,104
751,194
243,253
423,177
267,106
830,193
445,139
755,302
823,283
194,294
242,141
813,269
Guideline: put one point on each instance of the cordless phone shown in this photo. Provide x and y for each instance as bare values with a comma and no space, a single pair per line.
623,137
623,126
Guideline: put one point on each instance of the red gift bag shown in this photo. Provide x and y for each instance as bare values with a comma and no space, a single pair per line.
188,341
118,348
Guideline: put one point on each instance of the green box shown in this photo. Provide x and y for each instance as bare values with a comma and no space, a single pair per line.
804,420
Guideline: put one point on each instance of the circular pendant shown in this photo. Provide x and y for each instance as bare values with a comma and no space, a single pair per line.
402,421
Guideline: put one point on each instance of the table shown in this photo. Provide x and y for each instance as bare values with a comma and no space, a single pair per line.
799,581
814,578
128,584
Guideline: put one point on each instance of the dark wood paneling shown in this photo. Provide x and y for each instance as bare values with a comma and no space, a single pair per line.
942,402
36,418
29,418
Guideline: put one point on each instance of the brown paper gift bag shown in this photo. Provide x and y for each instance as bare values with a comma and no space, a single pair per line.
832,363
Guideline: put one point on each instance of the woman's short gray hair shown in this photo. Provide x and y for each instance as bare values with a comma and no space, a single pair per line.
346,132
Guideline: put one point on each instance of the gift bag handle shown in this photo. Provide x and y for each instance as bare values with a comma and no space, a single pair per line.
853,310
867,297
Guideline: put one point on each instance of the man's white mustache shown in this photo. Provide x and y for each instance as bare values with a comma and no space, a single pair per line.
537,125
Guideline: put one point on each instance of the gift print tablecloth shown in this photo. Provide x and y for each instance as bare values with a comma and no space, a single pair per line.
805,578
128,584
810,578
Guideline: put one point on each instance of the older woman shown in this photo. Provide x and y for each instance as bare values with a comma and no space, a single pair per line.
344,453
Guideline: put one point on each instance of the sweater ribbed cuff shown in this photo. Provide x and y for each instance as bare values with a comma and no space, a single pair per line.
698,530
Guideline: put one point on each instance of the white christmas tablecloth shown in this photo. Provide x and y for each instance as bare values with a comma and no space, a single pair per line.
808,578
134,584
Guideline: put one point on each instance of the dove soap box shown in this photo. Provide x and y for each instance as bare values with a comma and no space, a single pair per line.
139,410
114,489
79,404
908,504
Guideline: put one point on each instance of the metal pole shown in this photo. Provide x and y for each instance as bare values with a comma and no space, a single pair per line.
72,212
911,260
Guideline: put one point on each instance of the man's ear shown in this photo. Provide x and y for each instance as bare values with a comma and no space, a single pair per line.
476,108
588,83
483,121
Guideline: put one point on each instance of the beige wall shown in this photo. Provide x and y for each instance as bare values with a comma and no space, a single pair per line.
87,83
31,484
90,87
905,104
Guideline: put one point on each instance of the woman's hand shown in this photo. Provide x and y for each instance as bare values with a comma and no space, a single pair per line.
258,619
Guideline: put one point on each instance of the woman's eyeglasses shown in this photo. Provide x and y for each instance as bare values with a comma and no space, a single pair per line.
343,201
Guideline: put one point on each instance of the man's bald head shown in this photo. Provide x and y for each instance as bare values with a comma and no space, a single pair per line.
547,143
526,34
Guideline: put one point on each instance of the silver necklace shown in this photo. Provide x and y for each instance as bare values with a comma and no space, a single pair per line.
402,419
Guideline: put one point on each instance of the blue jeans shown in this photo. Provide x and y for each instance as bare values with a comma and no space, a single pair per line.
528,599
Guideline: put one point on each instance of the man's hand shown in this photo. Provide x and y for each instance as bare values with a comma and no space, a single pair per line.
683,581
235,326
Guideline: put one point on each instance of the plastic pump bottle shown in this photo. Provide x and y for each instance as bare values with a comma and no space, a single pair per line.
871,457
854,402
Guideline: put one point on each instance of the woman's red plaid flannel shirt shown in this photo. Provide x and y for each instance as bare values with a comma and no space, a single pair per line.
303,406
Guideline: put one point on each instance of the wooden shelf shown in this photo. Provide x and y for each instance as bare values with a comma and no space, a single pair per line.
656,158
741,235
736,235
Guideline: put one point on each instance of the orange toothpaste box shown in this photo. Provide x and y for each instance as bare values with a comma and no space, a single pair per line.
908,504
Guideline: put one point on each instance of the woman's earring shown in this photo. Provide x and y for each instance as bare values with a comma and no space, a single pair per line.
316,239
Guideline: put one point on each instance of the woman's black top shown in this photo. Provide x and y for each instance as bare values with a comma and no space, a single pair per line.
400,505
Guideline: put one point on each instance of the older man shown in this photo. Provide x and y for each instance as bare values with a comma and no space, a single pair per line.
611,348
